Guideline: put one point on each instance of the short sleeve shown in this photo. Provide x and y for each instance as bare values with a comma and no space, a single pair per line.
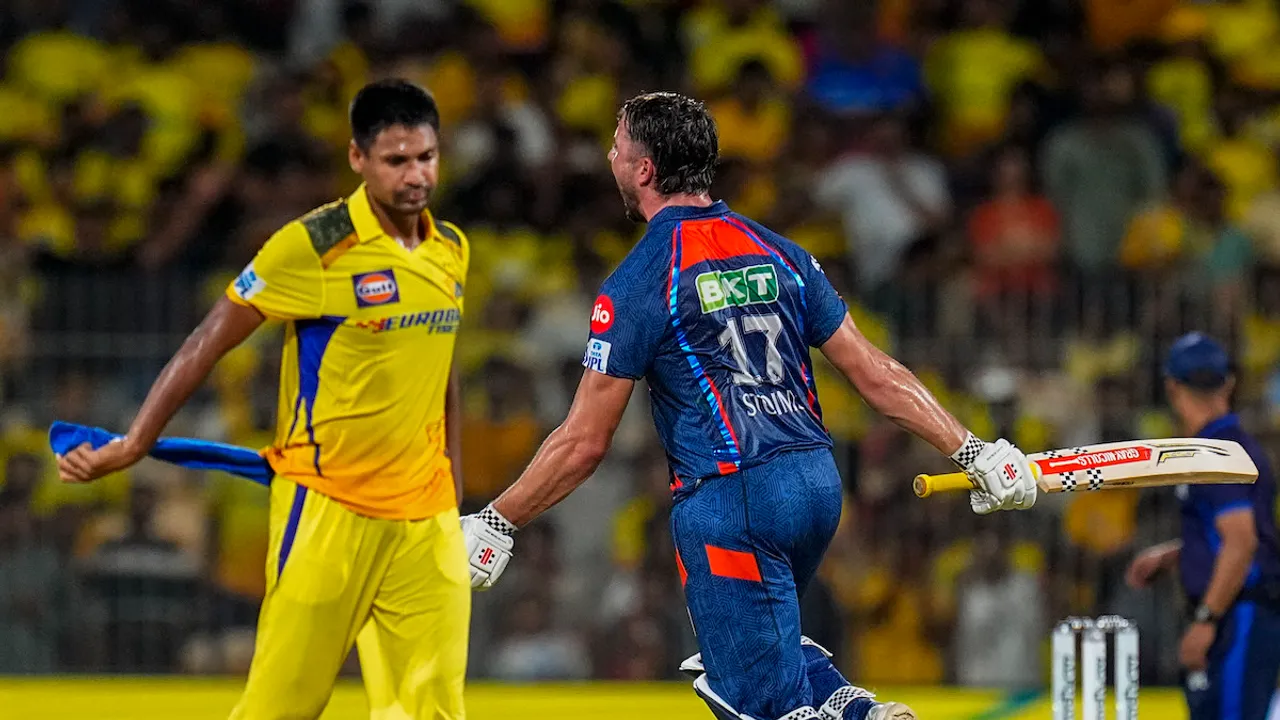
628,323
1221,499
284,280
825,308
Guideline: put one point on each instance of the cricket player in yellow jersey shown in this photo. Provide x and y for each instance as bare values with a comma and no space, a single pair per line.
366,540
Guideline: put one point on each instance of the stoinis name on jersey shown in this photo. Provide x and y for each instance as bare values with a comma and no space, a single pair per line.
376,288
753,285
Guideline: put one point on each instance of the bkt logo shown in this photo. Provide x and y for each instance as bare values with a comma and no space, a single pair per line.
735,288
376,288
435,321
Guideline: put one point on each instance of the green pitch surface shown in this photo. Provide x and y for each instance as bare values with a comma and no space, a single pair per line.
118,698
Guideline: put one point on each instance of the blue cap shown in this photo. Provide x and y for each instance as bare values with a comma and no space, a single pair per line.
1196,360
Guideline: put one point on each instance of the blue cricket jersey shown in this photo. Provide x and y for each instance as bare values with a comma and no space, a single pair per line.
1202,504
718,314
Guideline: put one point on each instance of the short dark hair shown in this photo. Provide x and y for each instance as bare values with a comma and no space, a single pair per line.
386,103
679,135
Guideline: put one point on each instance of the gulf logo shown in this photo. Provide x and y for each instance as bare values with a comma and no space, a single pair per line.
376,288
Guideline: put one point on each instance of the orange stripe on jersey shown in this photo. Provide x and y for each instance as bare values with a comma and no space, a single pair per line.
712,239
338,249
684,576
733,564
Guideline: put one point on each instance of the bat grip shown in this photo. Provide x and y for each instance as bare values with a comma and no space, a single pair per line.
926,485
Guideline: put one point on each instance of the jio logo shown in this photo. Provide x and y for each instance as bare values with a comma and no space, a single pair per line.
602,314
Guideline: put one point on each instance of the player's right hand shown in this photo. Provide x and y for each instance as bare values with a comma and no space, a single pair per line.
1144,568
1004,478
489,545
84,464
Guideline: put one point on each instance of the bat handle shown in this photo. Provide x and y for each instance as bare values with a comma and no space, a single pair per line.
926,485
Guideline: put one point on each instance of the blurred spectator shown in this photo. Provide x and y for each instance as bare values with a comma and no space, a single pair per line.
1000,620
1188,251
1183,83
1099,169
32,594
142,584
973,70
855,71
754,119
530,647
1244,164
1015,241
721,36
891,197
500,435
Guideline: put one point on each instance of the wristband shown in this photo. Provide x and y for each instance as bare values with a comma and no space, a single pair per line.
494,519
968,452
1204,615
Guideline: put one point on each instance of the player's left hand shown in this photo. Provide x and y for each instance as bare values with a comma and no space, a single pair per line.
84,464
1194,652
489,544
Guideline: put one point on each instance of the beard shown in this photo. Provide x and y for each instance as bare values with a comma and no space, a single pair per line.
631,204
405,202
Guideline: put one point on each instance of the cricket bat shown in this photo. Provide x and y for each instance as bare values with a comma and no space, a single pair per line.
1133,464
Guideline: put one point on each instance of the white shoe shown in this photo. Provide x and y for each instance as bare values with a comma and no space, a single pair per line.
891,711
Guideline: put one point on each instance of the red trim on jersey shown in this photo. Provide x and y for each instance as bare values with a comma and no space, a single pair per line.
808,388
684,576
724,415
733,564
711,242
727,468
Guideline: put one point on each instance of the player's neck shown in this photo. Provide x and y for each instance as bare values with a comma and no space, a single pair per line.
1198,418
654,204
408,229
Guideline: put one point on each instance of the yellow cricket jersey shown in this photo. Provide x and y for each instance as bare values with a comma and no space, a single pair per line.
368,346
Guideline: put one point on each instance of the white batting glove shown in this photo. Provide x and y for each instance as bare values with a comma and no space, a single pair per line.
489,543
1002,473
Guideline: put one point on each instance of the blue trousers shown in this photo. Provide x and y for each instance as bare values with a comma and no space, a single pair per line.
1243,665
748,545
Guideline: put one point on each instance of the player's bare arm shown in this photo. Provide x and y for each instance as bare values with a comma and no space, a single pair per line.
226,326
1003,474
1230,570
1239,542
564,461
1151,562
891,389
571,452
453,428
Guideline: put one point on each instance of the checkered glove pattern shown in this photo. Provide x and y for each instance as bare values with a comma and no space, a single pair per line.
489,544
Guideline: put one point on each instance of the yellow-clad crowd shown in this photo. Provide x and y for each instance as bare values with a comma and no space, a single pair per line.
934,156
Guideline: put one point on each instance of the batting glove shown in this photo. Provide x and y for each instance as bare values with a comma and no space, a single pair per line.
1004,477
489,543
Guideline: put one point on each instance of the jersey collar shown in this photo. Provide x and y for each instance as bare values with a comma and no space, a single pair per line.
367,226
1216,426
676,213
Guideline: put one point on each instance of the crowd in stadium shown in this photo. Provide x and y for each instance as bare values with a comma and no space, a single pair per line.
1024,201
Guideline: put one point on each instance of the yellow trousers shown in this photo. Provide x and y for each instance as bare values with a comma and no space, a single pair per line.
397,589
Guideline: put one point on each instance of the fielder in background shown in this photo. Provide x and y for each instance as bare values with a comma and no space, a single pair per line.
718,314
1228,556
364,528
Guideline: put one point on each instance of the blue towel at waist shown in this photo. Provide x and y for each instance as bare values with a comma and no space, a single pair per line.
186,452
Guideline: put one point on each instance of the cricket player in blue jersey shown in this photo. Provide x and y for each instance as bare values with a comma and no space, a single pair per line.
1228,557
718,314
